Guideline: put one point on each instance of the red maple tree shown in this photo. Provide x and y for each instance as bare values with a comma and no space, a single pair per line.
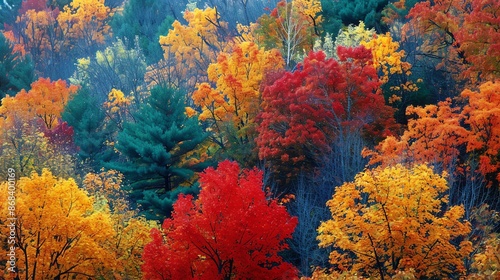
231,231
304,110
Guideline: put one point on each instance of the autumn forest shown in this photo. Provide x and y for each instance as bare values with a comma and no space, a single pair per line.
250,139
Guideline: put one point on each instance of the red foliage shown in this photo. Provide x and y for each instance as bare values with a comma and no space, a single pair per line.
230,231
37,5
61,136
305,109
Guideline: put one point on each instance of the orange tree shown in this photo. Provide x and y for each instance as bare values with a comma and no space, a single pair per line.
45,101
482,117
230,231
392,219
231,107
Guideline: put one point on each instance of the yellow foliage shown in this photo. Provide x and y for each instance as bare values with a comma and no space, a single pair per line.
87,20
391,218
61,234
487,262
387,58
310,8
237,76
353,35
117,100
195,45
131,233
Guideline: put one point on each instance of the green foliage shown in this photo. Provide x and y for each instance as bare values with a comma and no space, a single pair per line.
163,203
8,14
349,12
159,147
16,71
91,132
143,21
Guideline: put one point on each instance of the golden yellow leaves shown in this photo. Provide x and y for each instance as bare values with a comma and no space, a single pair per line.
237,76
391,218
86,19
59,228
64,233
386,56
310,8
196,44
117,100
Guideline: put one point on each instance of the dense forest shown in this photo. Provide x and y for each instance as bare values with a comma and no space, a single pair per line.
261,139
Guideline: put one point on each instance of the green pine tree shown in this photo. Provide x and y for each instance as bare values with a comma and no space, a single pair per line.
144,21
155,147
91,131
16,71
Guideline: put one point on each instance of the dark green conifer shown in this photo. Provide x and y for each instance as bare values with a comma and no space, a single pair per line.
155,146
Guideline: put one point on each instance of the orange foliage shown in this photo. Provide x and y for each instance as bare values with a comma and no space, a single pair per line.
438,132
434,136
45,100
482,116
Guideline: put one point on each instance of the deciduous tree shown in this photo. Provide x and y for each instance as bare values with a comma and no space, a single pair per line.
86,23
58,234
230,231
190,49
392,219
231,107
45,100
291,27
482,117
305,109
434,135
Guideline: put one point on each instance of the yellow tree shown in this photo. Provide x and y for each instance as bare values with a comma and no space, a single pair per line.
230,107
57,232
392,219
189,49
131,233
292,27
85,21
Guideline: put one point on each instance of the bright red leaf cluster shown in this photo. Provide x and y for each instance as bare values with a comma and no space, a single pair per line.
232,230
305,109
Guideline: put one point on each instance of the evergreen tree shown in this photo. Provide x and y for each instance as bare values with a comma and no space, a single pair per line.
91,131
8,11
142,22
16,71
158,148
348,12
